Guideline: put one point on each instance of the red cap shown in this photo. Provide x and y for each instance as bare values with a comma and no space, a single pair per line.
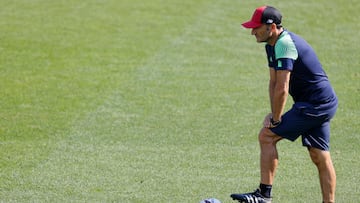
264,15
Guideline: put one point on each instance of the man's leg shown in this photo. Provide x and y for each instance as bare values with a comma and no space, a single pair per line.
327,175
268,164
268,155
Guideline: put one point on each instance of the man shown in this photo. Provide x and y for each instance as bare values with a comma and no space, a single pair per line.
295,70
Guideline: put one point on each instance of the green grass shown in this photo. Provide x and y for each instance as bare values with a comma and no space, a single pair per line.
159,101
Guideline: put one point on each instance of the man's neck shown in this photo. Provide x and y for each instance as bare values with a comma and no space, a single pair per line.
272,41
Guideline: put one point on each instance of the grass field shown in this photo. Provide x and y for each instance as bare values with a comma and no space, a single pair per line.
160,101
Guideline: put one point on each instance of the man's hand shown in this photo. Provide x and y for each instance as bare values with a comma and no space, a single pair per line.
269,122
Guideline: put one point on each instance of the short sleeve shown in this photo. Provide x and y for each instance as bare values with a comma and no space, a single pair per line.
285,53
285,48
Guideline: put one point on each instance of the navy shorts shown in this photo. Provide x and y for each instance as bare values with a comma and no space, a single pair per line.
314,127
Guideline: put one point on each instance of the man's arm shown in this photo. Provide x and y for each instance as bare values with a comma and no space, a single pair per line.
278,91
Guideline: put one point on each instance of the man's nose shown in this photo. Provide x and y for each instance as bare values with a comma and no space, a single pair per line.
253,32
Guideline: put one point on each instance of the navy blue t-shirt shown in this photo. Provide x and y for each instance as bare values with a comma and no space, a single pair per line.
308,81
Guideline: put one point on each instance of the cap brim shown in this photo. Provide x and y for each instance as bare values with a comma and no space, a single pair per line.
251,24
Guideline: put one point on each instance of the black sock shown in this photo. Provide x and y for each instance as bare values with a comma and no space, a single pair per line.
265,190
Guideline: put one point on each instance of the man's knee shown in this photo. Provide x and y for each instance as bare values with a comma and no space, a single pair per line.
266,136
319,156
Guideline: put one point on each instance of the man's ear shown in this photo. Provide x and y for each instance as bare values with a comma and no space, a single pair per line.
273,26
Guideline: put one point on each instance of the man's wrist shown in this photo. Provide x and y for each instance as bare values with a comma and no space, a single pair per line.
274,122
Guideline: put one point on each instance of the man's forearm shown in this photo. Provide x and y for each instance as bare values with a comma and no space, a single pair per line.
278,102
